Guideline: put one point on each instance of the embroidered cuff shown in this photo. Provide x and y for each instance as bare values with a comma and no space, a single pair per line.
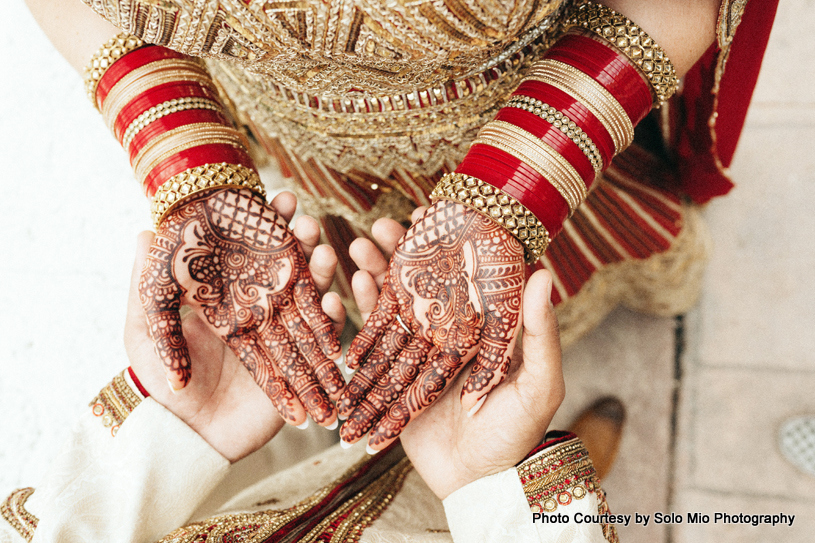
117,400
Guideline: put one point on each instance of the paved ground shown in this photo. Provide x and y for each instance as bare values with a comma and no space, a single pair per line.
705,393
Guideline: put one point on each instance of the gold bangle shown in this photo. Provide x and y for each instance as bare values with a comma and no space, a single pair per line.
591,94
537,154
563,123
209,176
165,108
114,49
633,42
499,207
182,138
149,76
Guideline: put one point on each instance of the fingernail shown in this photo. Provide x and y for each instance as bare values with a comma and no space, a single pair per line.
345,445
549,293
342,417
340,360
477,406
370,451
172,388
333,425
304,425
348,370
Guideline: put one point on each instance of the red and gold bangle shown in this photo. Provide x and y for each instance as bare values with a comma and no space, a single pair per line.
163,109
200,178
609,67
537,154
576,111
499,207
552,136
517,179
623,34
590,93
563,123
110,52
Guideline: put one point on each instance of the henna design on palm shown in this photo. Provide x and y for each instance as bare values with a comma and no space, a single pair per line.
456,280
231,257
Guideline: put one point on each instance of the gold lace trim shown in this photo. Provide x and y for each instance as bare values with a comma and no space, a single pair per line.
14,512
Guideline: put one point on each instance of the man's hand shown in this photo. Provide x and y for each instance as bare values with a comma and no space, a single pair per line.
234,260
448,447
452,292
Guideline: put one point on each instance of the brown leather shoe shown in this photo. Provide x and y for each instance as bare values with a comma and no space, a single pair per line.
600,427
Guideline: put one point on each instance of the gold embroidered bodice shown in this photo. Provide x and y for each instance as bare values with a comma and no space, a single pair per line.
337,47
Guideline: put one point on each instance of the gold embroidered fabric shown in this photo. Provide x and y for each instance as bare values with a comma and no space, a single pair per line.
14,512
115,402
560,474
337,47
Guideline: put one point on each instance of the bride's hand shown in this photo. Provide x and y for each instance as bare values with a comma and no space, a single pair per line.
448,447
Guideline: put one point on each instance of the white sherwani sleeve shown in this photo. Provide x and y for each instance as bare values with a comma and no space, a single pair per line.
131,472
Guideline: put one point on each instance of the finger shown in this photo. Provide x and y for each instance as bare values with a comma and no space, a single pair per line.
393,341
324,369
160,297
388,390
308,302
541,371
440,370
322,266
332,305
366,292
285,204
492,361
260,360
135,323
387,234
307,232
417,213
383,314
301,377
367,256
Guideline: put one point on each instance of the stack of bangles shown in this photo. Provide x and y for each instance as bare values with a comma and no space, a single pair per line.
534,164
164,109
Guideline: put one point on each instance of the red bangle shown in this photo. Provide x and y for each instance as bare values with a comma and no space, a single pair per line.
552,136
576,111
501,170
171,122
609,68
131,61
159,95
191,158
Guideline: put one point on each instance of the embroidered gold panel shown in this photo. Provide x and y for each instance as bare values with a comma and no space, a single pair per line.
337,46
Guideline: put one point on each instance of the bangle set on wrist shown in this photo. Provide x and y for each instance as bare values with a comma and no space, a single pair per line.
164,109
573,112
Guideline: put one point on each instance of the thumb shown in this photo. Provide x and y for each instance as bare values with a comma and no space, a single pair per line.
541,373
135,322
